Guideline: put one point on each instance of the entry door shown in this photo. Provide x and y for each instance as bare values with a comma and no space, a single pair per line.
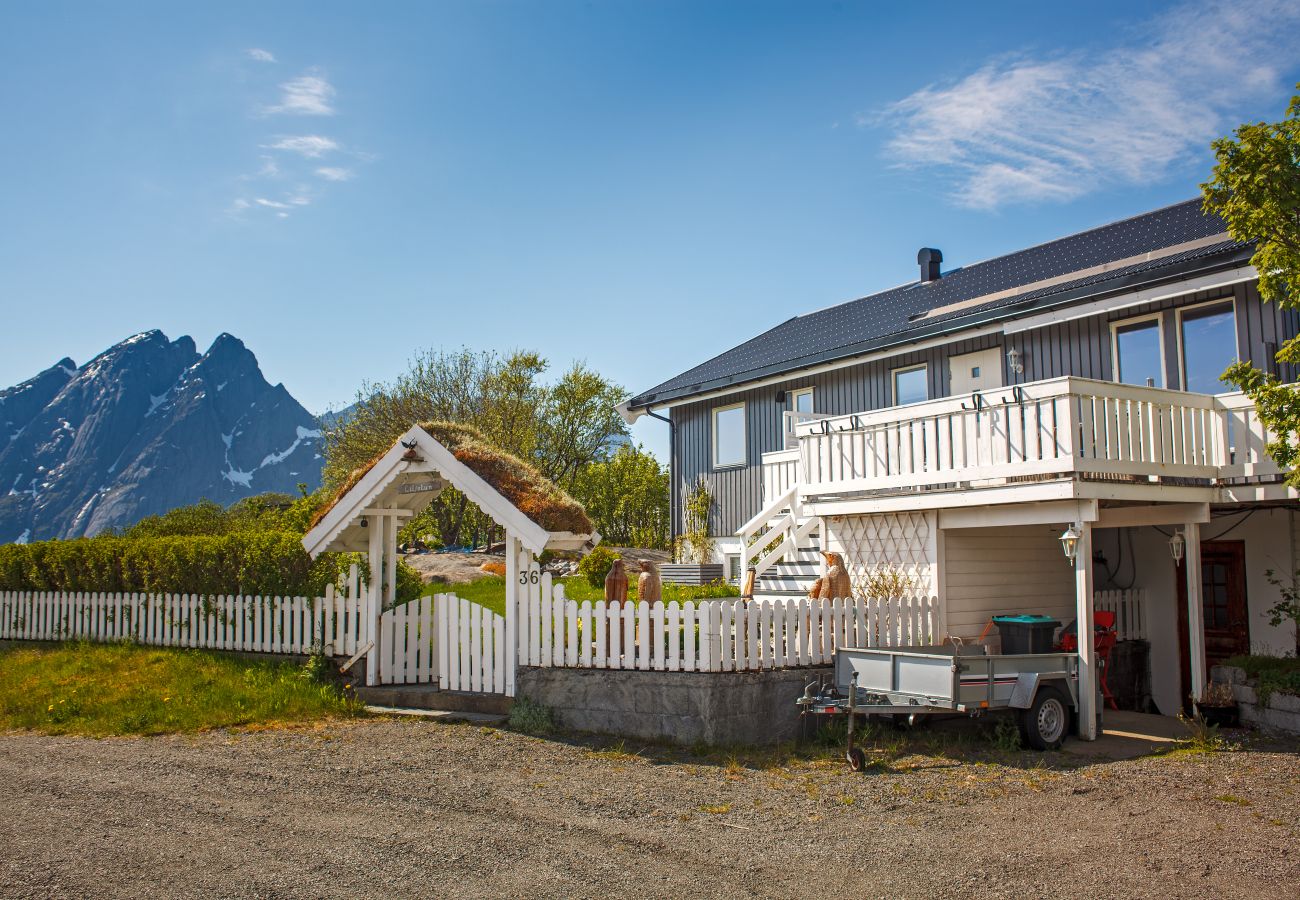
1223,606
971,372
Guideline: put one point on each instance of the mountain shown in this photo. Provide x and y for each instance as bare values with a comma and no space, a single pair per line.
148,425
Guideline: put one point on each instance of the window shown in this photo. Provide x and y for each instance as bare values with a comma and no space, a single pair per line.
802,400
1208,338
911,385
729,436
733,568
1139,352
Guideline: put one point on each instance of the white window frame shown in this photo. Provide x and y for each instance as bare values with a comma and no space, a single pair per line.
1231,303
1115,326
795,395
744,435
901,370
727,561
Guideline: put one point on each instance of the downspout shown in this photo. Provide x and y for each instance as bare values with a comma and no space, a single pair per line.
673,487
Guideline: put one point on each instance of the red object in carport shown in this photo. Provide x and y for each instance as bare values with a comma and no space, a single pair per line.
1103,642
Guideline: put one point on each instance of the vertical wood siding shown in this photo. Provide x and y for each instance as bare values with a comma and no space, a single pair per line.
1081,347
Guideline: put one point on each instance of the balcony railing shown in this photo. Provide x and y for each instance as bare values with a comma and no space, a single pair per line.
1059,427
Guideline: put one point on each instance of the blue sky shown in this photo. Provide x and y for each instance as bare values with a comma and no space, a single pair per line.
638,185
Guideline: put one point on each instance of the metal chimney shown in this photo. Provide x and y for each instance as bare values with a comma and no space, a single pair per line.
929,259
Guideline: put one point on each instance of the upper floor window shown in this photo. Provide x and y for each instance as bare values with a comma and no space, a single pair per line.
1207,336
729,436
802,400
1139,351
911,385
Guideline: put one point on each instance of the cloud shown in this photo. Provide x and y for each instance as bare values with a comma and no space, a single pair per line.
260,55
334,173
307,95
1054,127
312,146
272,204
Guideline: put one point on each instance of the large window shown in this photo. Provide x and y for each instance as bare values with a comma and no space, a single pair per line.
1208,338
729,436
911,385
1139,357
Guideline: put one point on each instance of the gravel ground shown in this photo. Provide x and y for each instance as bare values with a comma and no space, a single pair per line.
388,807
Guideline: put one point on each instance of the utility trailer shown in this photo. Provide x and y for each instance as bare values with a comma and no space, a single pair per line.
904,683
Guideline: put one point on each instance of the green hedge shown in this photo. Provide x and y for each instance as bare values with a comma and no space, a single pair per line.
258,562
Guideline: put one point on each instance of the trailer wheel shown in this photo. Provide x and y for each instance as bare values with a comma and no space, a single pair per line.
1044,724
857,759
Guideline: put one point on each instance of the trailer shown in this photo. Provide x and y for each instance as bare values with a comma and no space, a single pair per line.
905,683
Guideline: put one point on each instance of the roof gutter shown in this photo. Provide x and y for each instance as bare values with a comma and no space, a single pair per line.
1177,272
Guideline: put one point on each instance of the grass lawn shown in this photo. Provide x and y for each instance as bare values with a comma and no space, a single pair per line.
116,689
491,591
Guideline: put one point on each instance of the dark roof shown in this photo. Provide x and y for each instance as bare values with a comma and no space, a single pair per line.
897,316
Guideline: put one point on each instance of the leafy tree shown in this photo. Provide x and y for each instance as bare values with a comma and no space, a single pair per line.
1255,188
626,497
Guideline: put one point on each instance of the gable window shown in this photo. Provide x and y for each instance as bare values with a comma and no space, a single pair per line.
729,436
1138,349
911,385
802,400
1207,338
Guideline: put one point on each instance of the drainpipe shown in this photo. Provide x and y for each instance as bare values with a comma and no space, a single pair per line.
673,488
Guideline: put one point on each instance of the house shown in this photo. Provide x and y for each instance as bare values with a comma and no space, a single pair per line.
948,432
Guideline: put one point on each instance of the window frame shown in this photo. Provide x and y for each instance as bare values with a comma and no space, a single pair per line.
797,393
901,370
1231,303
1118,324
744,435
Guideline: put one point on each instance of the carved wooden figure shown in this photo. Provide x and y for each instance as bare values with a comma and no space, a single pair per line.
616,583
648,586
835,583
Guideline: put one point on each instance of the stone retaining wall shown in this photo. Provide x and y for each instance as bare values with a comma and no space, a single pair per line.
1281,714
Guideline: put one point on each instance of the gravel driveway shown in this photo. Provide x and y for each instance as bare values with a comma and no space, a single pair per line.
413,808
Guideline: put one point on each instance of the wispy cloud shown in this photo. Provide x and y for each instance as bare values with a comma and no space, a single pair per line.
334,173
312,146
1031,128
260,55
306,95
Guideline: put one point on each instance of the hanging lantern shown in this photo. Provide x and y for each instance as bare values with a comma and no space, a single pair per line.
1013,361
1177,544
1070,543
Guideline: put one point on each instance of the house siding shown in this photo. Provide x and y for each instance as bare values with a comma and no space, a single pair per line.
1081,348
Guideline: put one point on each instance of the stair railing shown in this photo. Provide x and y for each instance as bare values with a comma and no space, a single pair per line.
781,522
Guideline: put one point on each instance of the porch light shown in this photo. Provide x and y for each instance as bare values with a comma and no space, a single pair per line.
1013,361
1070,543
1177,544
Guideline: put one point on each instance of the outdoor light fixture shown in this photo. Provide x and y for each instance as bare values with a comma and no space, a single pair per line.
364,523
1177,544
1013,361
1070,543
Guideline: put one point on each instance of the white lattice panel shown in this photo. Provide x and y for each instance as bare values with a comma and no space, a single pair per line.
887,542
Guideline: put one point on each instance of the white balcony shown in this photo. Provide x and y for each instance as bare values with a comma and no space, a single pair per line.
1062,429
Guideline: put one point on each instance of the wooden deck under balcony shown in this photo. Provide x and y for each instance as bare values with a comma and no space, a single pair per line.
1062,438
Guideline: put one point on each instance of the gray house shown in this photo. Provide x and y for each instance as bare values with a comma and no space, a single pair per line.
943,435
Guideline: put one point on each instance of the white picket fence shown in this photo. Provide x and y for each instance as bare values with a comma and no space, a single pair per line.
295,625
1130,609
714,635
459,644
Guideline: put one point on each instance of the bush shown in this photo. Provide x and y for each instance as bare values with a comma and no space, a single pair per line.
531,717
596,565
1271,674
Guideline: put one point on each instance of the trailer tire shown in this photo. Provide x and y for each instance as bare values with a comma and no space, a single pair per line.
857,759
1044,724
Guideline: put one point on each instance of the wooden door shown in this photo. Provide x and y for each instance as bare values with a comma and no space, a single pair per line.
1223,607
978,371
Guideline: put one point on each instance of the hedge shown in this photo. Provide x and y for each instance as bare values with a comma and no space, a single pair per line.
254,563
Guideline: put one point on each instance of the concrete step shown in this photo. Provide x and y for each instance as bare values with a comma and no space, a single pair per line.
783,584
428,697
439,715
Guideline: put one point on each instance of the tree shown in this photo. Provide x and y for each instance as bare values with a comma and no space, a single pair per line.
1255,188
626,497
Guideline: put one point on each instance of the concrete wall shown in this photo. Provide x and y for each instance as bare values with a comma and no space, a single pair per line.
989,571
718,708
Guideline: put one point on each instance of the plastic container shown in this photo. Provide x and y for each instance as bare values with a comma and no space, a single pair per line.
1026,634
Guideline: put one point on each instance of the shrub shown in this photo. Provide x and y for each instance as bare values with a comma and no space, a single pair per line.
596,565
531,717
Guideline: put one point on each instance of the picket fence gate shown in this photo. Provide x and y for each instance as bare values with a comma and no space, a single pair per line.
443,638
1130,609
291,625
714,635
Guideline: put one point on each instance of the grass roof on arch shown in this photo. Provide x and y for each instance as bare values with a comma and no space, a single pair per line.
531,492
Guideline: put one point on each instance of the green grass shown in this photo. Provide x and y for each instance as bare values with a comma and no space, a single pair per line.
1272,674
118,689
491,591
